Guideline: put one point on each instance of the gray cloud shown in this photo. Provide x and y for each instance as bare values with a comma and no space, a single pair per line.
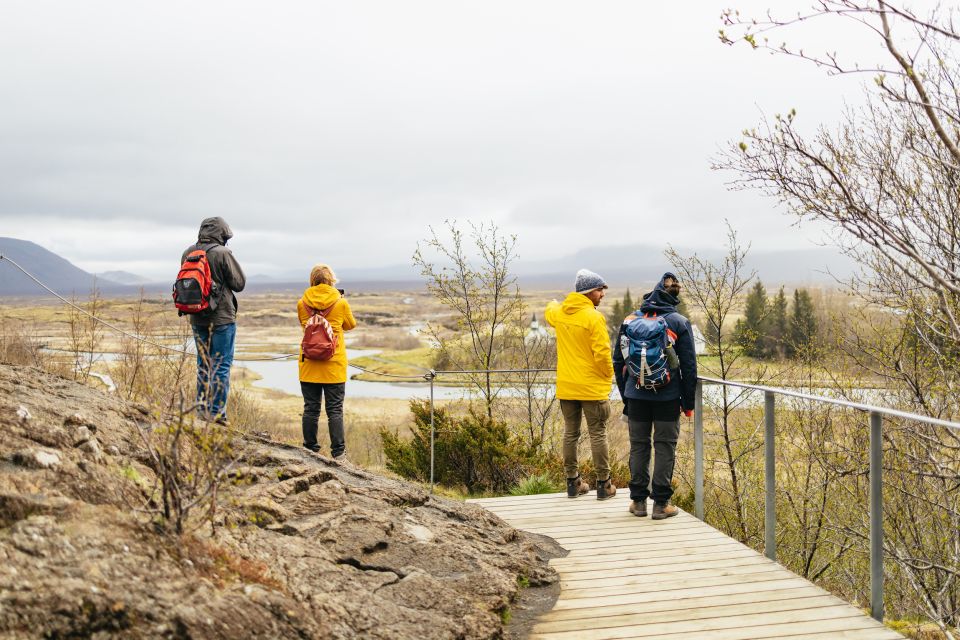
344,129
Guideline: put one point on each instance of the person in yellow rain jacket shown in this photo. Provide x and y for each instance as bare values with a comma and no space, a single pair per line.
327,379
584,375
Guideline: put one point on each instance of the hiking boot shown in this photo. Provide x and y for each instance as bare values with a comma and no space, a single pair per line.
576,487
605,489
663,511
638,508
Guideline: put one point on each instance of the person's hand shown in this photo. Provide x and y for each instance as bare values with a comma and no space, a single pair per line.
688,413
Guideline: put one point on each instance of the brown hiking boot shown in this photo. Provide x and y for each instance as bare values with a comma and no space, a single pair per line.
638,508
605,489
663,511
576,487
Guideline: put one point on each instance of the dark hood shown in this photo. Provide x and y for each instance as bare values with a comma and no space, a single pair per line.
659,301
214,230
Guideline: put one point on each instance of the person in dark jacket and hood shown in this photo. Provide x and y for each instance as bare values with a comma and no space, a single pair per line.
656,412
215,330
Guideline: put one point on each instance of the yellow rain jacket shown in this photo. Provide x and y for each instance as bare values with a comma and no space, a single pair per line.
584,365
341,319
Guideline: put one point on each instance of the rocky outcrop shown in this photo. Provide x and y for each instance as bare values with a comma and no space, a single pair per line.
305,547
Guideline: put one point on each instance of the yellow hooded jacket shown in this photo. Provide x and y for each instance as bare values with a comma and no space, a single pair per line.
341,319
584,365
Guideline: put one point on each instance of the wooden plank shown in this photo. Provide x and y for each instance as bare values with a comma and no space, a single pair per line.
830,628
844,616
659,583
642,553
620,520
683,604
585,509
666,537
573,563
664,544
612,525
872,633
728,588
661,571
680,615
584,502
673,588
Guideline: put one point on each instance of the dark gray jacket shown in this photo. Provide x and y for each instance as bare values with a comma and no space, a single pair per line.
226,271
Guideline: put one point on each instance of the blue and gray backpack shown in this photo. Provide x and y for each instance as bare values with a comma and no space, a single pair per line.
647,348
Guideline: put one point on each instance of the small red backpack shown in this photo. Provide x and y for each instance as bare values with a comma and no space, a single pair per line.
319,339
194,284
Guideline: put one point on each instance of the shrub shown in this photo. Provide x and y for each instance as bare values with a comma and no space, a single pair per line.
17,345
473,451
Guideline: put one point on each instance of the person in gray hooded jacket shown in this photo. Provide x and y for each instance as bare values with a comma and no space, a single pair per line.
215,330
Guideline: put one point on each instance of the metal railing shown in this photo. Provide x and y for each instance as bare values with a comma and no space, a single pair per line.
770,479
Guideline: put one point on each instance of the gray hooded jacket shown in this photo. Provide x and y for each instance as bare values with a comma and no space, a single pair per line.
226,271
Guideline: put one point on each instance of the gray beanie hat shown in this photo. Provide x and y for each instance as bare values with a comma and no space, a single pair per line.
588,281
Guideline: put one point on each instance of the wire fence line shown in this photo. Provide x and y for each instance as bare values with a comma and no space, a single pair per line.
172,349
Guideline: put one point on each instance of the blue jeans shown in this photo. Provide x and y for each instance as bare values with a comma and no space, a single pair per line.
214,359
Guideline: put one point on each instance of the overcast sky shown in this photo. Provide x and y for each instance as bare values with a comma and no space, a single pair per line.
338,131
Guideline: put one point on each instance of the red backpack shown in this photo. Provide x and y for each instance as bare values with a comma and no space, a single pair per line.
319,339
194,284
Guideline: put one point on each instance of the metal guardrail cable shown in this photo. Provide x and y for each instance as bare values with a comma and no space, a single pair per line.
87,313
144,340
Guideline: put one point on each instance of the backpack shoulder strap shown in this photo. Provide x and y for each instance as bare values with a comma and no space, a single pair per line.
326,312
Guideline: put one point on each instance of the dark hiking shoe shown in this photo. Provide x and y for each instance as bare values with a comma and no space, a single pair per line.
663,511
605,489
576,487
638,508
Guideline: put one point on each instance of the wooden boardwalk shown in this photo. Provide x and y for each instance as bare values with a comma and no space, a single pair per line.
629,577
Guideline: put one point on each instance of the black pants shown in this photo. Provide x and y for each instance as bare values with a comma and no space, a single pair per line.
662,421
313,393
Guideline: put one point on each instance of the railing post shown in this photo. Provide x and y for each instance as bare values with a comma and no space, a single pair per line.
432,376
876,515
698,451
770,476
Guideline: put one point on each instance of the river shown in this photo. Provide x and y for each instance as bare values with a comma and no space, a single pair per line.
282,375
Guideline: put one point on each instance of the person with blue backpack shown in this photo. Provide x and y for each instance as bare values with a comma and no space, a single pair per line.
655,364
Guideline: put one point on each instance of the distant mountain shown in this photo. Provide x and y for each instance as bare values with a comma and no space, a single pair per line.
644,264
635,264
57,273
123,277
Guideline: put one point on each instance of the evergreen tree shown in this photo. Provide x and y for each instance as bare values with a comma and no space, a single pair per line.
777,326
619,311
751,330
803,323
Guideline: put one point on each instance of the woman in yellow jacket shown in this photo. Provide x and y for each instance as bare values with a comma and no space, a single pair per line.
325,378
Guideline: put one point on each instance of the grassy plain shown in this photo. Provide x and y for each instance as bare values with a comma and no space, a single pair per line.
389,323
